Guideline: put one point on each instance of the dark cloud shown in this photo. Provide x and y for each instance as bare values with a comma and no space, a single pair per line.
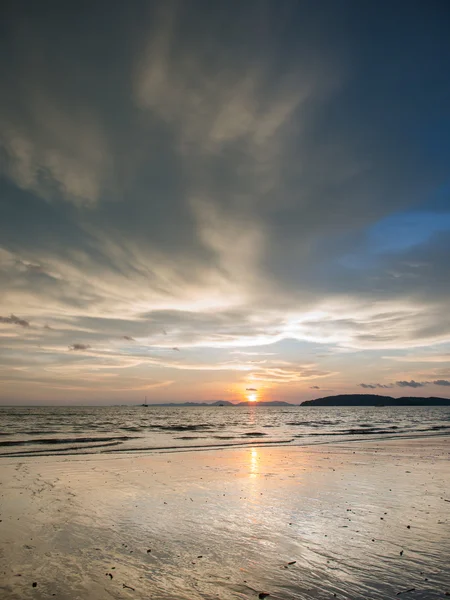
128,338
411,384
13,320
315,387
251,390
373,386
79,347
443,382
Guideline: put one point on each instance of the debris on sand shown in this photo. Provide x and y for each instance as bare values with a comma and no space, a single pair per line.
34,584
128,587
292,562
263,595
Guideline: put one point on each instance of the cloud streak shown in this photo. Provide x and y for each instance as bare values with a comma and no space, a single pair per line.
13,320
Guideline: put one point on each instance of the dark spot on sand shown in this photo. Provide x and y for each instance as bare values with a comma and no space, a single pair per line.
34,584
263,595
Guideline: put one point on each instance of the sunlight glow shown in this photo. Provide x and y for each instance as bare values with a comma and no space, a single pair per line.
252,397
254,466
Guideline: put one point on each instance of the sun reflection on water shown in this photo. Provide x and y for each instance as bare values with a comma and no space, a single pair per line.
254,463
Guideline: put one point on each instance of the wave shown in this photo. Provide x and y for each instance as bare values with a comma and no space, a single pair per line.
312,423
61,451
198,427
142,449
82,440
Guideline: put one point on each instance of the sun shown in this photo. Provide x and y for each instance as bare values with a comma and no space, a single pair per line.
252,397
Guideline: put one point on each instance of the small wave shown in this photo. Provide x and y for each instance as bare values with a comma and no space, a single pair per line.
77,450
199,427
83,440
255,434
59,451
131,428
312,423
350,432
200,447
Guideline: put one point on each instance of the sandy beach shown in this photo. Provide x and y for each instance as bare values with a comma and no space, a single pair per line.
358,520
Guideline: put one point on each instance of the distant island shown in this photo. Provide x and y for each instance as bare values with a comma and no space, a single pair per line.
269,403
339,400
222,403
375,400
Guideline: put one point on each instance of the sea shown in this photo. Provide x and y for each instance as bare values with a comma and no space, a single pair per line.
57,430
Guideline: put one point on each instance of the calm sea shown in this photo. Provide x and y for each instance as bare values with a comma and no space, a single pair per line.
44,431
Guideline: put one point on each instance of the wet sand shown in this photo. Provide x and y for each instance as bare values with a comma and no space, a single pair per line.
360,520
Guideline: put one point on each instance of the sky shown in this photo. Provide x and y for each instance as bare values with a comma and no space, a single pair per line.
233,200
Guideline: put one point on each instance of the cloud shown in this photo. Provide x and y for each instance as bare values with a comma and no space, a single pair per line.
251,389
373,386
128,338
315,387
287,374
13,320
412,384
79,347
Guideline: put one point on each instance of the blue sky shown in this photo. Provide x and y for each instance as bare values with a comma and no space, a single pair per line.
197,198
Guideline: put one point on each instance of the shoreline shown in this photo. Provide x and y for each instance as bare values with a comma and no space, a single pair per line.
143,451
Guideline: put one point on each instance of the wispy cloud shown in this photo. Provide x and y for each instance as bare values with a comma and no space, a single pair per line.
13,320
411,384
373,386
79,347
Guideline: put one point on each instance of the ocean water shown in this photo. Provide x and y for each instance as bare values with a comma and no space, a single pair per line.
45,431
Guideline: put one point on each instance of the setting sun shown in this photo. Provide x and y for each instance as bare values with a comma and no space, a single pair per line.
252,397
